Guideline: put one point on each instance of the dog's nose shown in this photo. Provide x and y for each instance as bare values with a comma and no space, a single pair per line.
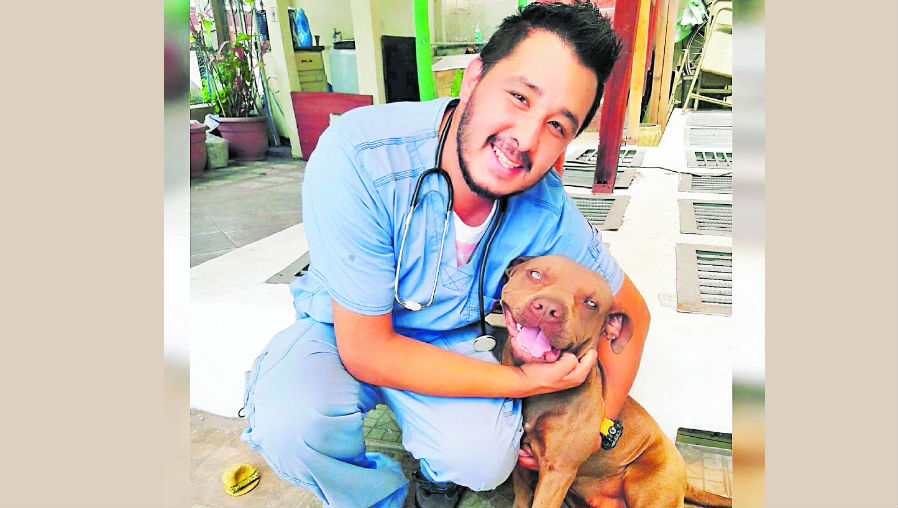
546,309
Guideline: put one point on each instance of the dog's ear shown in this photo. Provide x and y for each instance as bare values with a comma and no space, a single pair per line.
514,263
618,328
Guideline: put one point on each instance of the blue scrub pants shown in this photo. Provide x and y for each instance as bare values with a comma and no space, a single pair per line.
305,417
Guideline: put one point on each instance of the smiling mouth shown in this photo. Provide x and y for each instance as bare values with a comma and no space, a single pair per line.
504,160
528,343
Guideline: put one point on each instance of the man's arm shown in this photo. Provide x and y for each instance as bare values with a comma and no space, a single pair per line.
620,368
374,353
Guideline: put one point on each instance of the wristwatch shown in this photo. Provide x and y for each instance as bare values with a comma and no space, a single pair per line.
611,431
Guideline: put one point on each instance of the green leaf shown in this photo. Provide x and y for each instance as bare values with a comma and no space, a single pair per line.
244,37
206,24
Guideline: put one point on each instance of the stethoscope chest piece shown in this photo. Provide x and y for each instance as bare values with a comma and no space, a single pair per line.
484,343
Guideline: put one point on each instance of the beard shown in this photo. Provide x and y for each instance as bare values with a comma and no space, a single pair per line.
461,141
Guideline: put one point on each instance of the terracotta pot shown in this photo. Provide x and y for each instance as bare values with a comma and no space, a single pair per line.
247,137
197,149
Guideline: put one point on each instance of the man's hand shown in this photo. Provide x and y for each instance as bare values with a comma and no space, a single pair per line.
566,372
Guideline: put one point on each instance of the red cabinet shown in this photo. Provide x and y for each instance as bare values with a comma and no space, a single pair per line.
313,110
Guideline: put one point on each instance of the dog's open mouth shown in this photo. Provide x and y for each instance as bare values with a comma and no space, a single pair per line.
529,343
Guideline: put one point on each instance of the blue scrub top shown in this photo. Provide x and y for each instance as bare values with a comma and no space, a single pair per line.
356,191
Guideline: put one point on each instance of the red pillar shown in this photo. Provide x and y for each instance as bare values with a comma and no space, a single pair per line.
614,106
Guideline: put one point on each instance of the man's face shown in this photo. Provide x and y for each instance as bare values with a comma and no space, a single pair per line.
520,116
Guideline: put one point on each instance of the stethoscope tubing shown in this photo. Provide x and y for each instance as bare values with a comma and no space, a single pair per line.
413,205
500,215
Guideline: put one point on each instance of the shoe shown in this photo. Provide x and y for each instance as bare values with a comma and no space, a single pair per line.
435,495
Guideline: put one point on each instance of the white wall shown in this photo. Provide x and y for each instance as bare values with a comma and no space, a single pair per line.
369,59
281,70
458,18
323,17
397,17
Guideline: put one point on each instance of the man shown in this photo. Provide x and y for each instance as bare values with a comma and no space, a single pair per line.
535,86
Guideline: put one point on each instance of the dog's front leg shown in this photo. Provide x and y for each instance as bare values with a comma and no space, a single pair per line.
522,480
552,486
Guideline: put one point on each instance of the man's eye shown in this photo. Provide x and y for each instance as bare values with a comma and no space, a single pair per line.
519,97
592,304
536,275
557,126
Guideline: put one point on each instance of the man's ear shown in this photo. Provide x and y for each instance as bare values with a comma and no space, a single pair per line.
618,328
470,78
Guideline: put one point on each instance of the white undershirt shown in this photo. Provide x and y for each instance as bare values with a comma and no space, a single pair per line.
467,237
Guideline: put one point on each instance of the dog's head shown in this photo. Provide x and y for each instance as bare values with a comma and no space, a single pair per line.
552,305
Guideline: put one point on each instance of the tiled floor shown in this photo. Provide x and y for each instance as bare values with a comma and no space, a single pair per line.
233,206
215,444
708,468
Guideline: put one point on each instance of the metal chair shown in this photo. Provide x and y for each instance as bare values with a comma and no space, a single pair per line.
716,59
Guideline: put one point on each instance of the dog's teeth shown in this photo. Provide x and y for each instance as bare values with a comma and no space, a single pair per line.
519,326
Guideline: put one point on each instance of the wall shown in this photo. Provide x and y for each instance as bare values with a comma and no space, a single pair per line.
458,18
397,18
323,18
281,71
369,60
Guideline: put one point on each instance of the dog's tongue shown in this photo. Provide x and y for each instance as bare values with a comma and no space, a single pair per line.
534,341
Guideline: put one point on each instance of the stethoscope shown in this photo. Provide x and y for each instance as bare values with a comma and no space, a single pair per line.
485,342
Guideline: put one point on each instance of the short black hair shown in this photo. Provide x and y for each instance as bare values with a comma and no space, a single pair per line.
581,26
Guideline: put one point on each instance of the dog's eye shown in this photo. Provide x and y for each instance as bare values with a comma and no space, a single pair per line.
536,275
592,304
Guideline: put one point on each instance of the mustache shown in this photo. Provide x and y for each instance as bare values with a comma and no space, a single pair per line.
511,148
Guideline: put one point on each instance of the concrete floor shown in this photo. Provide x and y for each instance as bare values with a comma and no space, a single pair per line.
684,379
237,205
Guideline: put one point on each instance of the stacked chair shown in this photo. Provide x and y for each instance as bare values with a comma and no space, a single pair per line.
713,81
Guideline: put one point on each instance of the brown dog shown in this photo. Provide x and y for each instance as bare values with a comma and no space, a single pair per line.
553,305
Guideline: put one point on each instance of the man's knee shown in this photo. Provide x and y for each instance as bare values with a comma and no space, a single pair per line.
294,408
481,459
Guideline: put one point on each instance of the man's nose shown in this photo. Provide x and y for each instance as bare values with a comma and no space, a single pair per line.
526,132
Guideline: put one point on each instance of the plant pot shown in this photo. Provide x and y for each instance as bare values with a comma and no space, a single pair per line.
197,149
649,134
247,137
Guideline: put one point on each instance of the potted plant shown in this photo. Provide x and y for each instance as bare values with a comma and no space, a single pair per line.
230,82
197,148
